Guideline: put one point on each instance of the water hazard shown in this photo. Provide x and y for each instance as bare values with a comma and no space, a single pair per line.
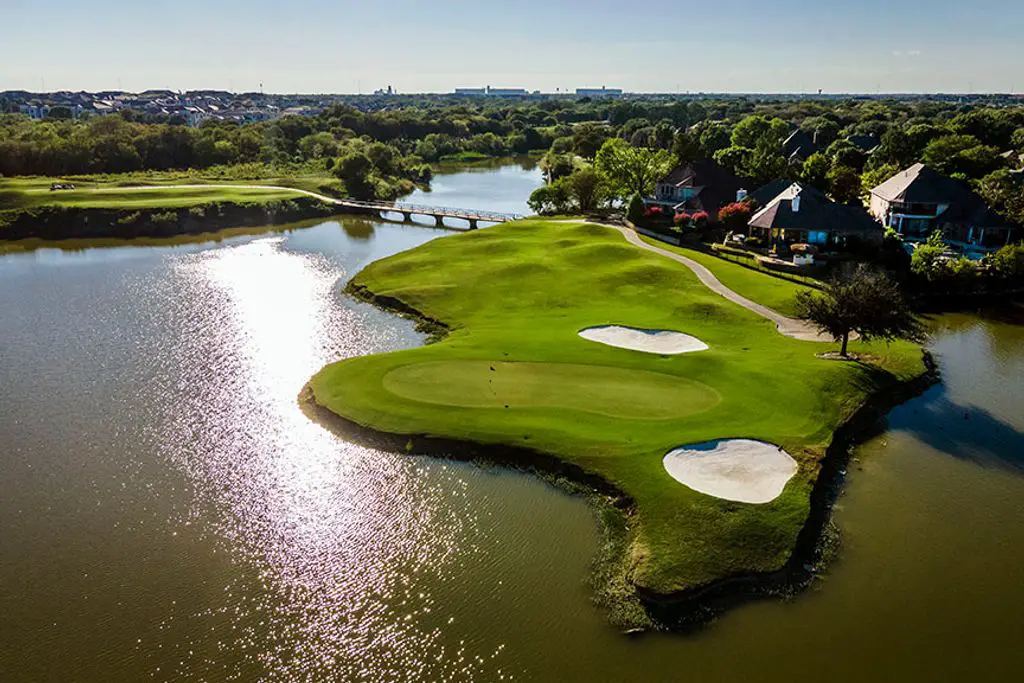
168,513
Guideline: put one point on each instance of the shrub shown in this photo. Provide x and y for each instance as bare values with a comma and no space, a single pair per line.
700,219
735,216
164,217
129,219
198,212
635,209
752,241
682,218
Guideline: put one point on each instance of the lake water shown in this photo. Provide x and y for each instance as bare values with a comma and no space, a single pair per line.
167,513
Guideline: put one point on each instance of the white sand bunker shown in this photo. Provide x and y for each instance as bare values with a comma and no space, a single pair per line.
662,342
733,469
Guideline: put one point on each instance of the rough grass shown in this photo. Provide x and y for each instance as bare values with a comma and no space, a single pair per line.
611,411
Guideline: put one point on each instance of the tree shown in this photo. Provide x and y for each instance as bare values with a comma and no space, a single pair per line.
713,137
588,189
863,300
354,170
735,159
815,171
1008,262
824,130
635,209
59,112
735,216
1017,140
844,184
895,147
631,170
587,139
685,147
551,198
757,128
961,154
1004,192
876,176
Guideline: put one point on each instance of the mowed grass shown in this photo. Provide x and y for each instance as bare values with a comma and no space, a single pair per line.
515,297
774,292
112,192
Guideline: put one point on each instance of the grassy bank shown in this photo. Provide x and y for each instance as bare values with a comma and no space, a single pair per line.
513,371
774,292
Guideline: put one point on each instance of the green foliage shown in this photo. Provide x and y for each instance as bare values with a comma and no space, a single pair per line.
631,170
1004,192
588,189
927,257
635,209
861,300
552,198
685,148
1008,262
871,179
815,171
844,184
587,139
961,154
164,217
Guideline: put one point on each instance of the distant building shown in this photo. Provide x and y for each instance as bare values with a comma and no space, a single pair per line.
599,92
492,92
798,147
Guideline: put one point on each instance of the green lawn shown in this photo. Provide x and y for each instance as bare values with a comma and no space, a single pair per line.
108,192
773,292
513,370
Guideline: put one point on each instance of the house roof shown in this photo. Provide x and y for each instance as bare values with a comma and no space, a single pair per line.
816,212
799,144
768,192
920,184
865,143
714,186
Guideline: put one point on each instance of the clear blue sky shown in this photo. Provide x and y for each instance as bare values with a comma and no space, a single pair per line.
421,46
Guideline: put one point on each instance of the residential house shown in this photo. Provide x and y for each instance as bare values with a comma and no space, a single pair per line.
918,201
803,214
865,143
798,147
697,186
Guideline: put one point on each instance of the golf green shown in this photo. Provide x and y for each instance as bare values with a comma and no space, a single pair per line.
512,370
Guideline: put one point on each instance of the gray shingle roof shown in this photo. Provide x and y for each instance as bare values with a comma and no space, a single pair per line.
816,212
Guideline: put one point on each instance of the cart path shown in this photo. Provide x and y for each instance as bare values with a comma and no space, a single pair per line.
790,327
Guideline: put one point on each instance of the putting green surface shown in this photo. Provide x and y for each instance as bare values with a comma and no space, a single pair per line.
612,392
514,298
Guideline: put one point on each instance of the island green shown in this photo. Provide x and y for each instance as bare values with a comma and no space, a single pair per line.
511,370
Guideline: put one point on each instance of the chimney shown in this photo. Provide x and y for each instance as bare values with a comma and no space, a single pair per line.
741,194
796,204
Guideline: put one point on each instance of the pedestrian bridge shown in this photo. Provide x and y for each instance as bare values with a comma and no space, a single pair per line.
438,213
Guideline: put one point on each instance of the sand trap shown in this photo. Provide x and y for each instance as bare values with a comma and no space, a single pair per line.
662,342
733,469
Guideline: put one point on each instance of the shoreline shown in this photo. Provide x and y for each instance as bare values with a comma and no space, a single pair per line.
58,223
681,611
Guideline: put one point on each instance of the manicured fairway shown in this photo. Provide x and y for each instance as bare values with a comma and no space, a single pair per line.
515,298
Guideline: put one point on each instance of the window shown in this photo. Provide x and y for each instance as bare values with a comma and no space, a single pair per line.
817,236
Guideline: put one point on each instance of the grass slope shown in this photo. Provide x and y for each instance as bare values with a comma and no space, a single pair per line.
774,292
514,371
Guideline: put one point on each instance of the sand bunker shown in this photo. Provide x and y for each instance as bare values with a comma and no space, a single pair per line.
733,469
662,342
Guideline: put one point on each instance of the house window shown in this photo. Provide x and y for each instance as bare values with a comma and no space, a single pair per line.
817,236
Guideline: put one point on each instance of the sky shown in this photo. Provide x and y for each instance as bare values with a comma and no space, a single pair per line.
346,46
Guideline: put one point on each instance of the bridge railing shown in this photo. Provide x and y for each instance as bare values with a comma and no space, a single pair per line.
406,207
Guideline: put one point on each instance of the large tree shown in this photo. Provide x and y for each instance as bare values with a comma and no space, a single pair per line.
629,169
861,300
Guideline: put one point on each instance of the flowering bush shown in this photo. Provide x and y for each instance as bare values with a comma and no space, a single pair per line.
682,218
700,219
652,212
735,216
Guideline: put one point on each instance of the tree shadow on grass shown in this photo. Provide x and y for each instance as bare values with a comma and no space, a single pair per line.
966,432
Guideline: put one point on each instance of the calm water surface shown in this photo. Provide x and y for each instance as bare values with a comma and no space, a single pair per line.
167,512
